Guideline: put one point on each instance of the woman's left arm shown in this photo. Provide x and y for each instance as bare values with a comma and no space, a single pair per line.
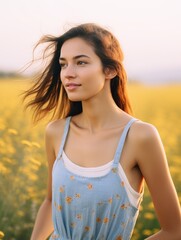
153,164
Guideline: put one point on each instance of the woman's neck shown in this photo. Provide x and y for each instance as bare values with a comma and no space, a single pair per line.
99,114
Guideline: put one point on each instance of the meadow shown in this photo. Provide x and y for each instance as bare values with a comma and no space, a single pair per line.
23,166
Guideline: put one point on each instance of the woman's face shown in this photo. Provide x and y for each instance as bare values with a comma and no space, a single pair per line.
81,70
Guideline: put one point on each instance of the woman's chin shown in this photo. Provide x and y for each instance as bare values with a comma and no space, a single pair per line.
75,99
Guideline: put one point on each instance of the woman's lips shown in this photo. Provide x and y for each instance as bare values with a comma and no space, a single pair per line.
72,86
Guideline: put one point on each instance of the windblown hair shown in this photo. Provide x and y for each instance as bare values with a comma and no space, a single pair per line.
48,94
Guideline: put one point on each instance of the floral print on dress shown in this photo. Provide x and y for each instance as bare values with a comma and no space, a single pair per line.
106,220
122,183
90,186
55,236
72,177
119,238
68,200
77,195
59,208
62,189
98,220
125,206
79,216
114,170
101,221
87,228
110,200
73,225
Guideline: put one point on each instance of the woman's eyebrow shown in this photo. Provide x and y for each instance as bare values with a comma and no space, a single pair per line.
76,57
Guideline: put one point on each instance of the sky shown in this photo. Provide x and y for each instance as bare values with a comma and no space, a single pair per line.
149,32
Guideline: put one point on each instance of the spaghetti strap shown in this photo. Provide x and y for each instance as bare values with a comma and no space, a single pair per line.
122,141
66,129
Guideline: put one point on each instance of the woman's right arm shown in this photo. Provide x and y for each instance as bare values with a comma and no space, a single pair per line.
43,225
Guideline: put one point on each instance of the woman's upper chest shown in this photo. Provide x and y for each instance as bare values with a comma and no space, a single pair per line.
94,149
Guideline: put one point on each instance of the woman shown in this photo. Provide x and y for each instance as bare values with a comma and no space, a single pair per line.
98,154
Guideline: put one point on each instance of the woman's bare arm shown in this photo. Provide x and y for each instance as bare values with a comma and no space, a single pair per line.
43,224
153,164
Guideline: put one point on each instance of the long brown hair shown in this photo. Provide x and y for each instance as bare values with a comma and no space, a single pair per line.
48,92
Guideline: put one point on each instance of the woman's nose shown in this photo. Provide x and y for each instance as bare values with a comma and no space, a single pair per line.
69,71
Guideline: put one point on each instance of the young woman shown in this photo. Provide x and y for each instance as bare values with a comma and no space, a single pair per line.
98,154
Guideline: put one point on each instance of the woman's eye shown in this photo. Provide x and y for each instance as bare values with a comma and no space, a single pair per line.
81,63
63,65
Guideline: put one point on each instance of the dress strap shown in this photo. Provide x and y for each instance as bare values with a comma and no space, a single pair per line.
122,141
66,129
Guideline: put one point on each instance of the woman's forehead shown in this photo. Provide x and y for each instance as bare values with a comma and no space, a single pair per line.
76,46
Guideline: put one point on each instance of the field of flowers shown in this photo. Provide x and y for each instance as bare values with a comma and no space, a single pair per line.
23,170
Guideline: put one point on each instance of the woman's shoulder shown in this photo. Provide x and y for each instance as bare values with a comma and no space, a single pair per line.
143,131
146,142
55,127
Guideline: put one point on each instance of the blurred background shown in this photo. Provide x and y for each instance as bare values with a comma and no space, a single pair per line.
149,32
150,36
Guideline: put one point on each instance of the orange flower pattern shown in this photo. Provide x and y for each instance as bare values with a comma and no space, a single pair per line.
59,207
87,228
79,216
89,186
105,220
68,200
119,238
98,219
61,189
72,177
77,195
73,225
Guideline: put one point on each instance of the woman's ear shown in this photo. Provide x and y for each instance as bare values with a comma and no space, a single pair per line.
110,73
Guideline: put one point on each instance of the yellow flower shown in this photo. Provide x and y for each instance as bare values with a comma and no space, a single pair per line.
147,232
12,131
2,126
26,142
1,235
149,215
36,162
3,169
35,144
